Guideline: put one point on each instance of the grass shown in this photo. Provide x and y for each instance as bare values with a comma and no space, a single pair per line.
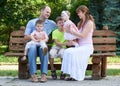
8,73
14,73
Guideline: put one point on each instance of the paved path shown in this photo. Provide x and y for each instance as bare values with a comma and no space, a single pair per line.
108,81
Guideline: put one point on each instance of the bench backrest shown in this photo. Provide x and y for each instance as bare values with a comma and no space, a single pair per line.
104,41
17,41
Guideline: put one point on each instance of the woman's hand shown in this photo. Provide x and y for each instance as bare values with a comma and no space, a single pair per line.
67,29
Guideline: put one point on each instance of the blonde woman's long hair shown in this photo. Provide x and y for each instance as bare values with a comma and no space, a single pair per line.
84,9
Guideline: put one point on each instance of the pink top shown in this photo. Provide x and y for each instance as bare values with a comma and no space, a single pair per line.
67,24
88,39
41,35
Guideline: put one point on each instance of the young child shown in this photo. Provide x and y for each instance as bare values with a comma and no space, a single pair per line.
38,37
69,24
58,47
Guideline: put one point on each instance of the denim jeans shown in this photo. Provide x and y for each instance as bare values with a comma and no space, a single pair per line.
33,52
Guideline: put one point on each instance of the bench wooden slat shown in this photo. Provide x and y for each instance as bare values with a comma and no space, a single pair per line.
17,40
104,47
104,40
96,48
103,54
17,33
14,54
11,54
103,33
16,47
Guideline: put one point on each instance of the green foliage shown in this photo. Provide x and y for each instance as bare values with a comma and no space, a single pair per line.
15,13
56,8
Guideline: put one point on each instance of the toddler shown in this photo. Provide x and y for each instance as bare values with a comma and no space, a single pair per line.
38,37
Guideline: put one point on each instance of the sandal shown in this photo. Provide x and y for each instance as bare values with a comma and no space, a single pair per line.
70,79
62,76
43,78
34,78
53,74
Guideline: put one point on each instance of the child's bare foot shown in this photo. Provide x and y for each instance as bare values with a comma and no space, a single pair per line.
45,50
23,58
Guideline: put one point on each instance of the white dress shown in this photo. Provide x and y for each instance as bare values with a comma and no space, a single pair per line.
75,60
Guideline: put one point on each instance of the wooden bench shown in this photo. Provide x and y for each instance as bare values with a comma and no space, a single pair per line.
104,46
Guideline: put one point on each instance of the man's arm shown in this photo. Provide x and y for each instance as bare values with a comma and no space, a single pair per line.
59,43
27,37
28,30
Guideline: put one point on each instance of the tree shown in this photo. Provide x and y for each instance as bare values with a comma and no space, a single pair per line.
15,13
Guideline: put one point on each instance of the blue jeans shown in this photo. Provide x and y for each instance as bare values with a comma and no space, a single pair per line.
33,52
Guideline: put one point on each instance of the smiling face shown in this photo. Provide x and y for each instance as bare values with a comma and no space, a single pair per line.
82,11
39,27
45,13
80,14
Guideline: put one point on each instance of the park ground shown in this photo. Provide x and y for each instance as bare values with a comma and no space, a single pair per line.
14,81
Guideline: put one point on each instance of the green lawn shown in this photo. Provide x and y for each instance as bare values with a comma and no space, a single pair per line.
110,72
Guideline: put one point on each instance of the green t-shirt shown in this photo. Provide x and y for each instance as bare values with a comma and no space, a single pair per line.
56,34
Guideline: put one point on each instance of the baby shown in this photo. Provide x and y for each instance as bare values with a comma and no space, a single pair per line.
69,24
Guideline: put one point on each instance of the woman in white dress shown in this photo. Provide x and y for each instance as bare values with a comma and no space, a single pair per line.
75,59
